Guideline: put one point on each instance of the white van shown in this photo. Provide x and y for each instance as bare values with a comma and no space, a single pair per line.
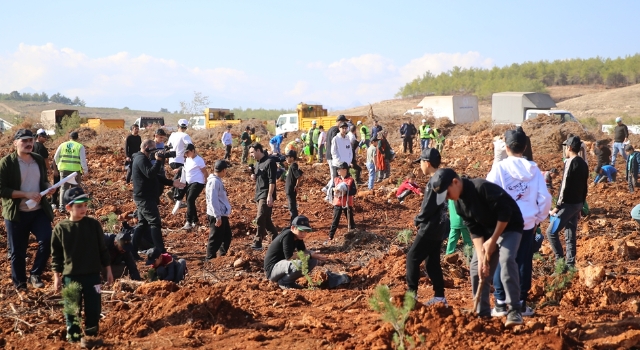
287,123
197,123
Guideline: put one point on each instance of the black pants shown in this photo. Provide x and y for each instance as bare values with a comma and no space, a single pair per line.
178,194
357,169
148,219
429,250
129,172
89,301
337,211
227,153
193,191
219,237
263,221
293,205
407,142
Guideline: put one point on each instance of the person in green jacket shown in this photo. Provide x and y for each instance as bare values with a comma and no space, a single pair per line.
365,135
23,178
78,254
457,229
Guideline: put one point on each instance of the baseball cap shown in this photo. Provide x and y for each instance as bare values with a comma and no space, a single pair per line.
343,125
618,119
432,156
424,120
302,223
343,165
341,118
440,182
42,132
74,135
124,238
514,139
190,147
152,255
359,122
314,122
298,140
183,122
75,195
574,143
23,134
221,164
292,153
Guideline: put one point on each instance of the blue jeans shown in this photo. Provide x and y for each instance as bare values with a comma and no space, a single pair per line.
568,216
424,143
38,223
618,147
371,168
524,259
286,271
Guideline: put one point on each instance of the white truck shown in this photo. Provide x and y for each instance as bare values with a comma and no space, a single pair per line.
50,118
459,109
516,107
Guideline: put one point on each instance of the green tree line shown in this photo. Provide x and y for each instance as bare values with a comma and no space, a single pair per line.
42,97
528,76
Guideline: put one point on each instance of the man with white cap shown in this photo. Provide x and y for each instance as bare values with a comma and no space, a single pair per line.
620,138
179,141
424,130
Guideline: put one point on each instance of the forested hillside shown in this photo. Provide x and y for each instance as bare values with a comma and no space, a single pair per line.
528,76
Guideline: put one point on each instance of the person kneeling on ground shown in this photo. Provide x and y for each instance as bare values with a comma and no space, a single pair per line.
408,187
607,172
495,222
78,253
166,267
344,189
122,262
279,265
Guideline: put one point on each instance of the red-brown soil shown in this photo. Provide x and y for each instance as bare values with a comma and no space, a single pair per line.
225,307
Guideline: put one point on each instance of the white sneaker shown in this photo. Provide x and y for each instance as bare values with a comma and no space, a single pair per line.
436,300
187,226
176,208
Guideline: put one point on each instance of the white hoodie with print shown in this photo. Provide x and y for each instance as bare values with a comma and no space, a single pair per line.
523,180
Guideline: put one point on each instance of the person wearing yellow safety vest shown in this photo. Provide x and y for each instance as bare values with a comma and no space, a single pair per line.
365,136
312,139
424,131
70,157
292,146
439,139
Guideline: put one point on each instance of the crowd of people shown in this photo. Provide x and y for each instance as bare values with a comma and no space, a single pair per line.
497,217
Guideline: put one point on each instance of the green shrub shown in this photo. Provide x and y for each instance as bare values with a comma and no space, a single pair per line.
68,124
404,236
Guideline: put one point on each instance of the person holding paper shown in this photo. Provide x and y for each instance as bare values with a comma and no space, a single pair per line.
23,176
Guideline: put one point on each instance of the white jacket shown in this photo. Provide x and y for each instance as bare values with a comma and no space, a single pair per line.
227,139
216,196
341,150
523,180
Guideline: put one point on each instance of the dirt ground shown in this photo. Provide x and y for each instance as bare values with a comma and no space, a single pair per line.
227,303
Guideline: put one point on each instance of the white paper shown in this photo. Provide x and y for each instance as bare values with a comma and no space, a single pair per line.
71,179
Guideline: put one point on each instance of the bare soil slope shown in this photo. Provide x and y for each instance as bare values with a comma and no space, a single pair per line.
607,104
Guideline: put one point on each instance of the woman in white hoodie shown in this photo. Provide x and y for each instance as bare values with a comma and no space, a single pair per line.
523,180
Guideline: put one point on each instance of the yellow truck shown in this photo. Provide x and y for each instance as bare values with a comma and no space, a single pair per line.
96,123
212,118
306,114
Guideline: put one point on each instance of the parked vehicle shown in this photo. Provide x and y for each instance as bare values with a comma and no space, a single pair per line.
516,107
145,122
96,123
52,118
459,109
212,118
305,115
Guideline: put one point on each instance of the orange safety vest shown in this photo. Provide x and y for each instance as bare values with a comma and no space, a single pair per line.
346,200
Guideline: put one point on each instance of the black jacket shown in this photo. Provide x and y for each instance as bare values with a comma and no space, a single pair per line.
145,178
433,219
574,182
117,257
333,131
482,204
621,132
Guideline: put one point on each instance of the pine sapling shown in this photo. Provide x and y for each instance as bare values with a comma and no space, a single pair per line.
71,303
404,236
396,316
303,265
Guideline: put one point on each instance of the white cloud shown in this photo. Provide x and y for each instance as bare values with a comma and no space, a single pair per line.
299,89
441,62
364,67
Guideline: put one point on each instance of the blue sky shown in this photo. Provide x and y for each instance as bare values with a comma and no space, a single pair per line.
273,54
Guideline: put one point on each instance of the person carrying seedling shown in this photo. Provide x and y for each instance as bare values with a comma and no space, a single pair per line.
633,166
432,224
279,263
344,190
78,254
495,222
292,182
218,211
524,182
166,267
408,187
457,229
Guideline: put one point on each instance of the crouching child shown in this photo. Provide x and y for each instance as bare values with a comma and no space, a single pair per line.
344,189
78,254
408,187
166,267
495,223
279,263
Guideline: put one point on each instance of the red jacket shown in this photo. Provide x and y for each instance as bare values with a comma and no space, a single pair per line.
347,199
408,185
